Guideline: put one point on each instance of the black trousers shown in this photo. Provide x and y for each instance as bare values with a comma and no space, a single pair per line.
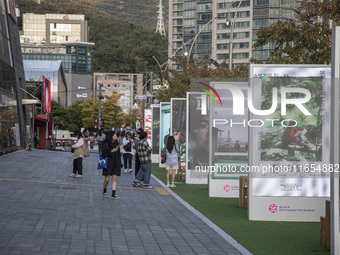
78,166
127,160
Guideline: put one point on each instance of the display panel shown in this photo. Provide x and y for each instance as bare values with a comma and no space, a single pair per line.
197,138
178,125
148,124
165,127
155,129
290,130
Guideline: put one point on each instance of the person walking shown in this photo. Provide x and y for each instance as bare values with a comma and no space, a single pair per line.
78,155
144,153
128,145
171,163
111,150
100,139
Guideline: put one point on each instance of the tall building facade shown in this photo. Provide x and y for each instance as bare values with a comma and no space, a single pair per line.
60,37
222,30
127,84
15,128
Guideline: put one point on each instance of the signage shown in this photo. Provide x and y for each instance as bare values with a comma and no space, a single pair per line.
140,97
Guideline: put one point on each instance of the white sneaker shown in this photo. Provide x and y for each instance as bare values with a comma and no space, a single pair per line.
130,171
168,185
173,186
125,171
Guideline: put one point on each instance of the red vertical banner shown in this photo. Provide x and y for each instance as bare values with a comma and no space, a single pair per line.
47,95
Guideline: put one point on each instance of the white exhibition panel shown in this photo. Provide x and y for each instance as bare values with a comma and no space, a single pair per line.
335,215
155,158
303,209
292,194
178,126
148,124
223,187
197,144
223,136
165,122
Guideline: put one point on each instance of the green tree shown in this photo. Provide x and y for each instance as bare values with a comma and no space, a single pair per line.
113,114
76,115
131,117
177,83
61,115
89,112
304,39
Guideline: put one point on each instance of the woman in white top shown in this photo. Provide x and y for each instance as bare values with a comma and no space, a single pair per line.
128,145
78,155
171,162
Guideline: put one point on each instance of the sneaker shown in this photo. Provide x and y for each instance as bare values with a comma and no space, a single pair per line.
146,186
168,185
130,171
136,183
72,175
104,194
79,176
125,171
173,186
115,197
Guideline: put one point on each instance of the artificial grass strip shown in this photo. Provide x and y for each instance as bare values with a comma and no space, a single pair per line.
259,237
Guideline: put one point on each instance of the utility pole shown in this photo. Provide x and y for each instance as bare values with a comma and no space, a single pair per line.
100,107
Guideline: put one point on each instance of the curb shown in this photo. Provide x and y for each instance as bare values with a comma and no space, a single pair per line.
219,231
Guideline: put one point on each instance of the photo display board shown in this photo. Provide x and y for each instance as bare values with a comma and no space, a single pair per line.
155,132
178,125
165,126
197,138
148,124
228,141
334,203
289,142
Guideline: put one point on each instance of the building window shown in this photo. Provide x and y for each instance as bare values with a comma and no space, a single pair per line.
66,38
222,56
244,45
241,35
55,25
223,46
223,36
240,55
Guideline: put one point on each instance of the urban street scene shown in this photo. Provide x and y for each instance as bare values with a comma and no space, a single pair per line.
170,127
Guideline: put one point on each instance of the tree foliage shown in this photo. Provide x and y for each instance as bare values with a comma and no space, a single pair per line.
177,83
306,39
120,46
112,113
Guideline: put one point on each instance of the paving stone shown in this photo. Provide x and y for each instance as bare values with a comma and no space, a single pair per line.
55,214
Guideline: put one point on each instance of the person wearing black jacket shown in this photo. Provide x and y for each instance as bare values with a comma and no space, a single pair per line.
111,150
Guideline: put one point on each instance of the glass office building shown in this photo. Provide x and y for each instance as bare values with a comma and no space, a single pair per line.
12,85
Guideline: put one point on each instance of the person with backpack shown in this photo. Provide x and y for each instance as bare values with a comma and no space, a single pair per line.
78,154
171,163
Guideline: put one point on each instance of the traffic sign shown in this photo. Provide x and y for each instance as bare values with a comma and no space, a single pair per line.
140,97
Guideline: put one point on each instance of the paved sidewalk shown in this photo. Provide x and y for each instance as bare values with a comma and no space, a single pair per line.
43,211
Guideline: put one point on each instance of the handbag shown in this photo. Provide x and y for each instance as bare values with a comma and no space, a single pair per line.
127,147
102,163
163,159
86,150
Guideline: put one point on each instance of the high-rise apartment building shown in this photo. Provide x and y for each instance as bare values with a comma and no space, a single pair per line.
128,85
60,37
222,30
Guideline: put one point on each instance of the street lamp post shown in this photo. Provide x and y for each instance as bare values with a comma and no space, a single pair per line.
195,38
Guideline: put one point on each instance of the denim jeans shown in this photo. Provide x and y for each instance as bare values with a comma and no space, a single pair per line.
144,173
127,160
